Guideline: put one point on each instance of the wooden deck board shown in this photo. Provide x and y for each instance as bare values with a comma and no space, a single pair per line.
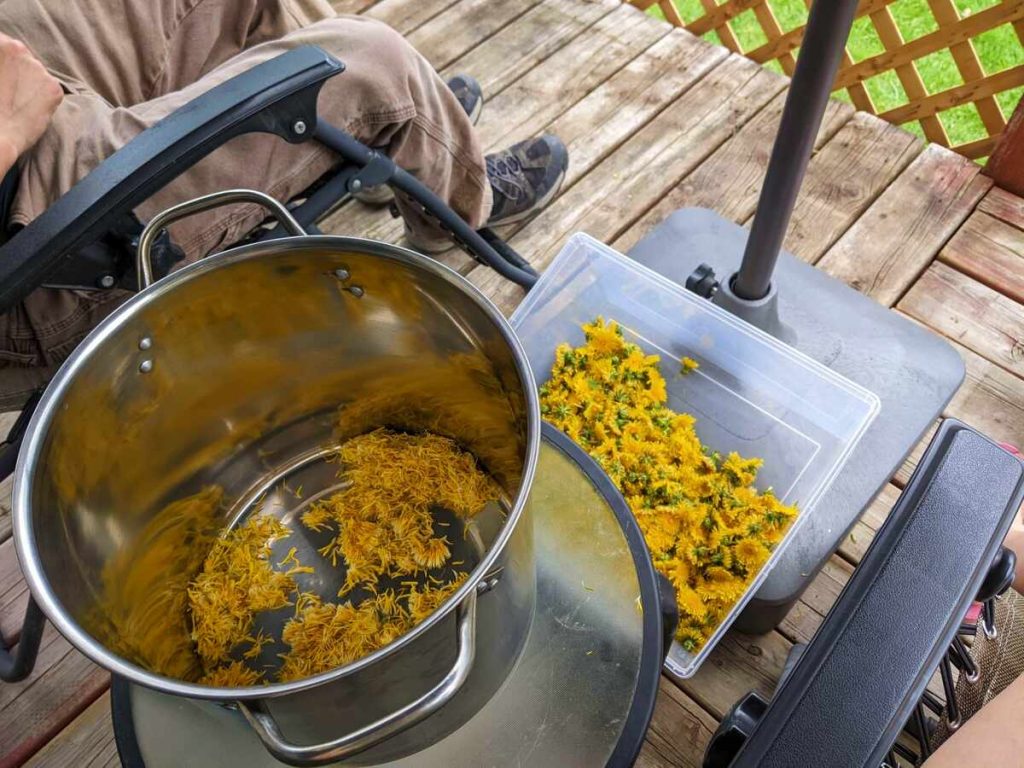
528,106
729,182
989,399
351,6
990,251
88,742
535,36
622,187
969,312
543,93
844,177
36,710
13,593
656,120
405,16
806,616
679,732
6,422
856,543
896,239
1005,206
463,26
902,476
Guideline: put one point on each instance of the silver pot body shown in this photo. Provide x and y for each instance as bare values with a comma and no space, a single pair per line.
230,368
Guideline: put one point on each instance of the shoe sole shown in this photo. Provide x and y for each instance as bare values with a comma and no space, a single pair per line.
432,248
537,207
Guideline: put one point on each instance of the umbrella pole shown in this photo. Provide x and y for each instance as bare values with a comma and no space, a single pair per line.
820,54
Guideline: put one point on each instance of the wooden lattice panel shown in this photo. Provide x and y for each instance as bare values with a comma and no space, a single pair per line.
953,33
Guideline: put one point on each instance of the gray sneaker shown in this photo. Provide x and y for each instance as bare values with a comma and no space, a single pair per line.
470,96
525,177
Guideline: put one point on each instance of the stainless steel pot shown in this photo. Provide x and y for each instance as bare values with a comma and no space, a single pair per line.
214,389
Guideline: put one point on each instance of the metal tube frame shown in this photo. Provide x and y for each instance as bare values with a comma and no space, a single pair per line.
353,151
17,661
820,53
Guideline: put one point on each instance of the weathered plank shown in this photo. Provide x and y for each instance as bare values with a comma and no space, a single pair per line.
679,731
850,171
988,400
88,742
13,593
596,125
561,80
806,616
620,189
536,35
738,664
351,7
34,711
990,251
527,106
63,683
856,543
405,16
973,314
365,221
6,422
1006,164
902,476
899,235
729,181
6,486
462,26
991,399
1004,205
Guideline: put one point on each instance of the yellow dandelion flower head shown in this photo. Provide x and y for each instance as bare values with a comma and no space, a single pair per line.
691,638
635,361
604,339
751,554
690,603
657,390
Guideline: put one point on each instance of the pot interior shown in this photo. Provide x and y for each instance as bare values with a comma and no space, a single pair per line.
216,391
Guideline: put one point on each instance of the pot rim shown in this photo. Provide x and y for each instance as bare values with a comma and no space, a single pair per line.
29,463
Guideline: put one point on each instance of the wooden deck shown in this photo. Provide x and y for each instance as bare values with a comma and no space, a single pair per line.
914,226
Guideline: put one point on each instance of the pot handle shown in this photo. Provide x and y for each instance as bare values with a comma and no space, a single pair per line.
144,262
353,743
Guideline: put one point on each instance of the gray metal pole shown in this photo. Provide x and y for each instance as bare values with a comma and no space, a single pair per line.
827,30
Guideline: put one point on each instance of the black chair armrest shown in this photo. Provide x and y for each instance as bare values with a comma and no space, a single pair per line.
861,676
273,97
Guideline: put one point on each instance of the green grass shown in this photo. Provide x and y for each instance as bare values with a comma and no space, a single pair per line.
997,49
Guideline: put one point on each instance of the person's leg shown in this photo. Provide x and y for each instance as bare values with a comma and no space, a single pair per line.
388,96
131,51
992,738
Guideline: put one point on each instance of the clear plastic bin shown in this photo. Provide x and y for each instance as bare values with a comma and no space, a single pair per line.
752,394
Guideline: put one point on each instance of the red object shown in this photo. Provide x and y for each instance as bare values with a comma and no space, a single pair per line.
1012,449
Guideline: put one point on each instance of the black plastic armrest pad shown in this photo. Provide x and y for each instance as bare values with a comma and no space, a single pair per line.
270,97
859,679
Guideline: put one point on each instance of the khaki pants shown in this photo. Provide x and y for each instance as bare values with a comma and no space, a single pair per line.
125,64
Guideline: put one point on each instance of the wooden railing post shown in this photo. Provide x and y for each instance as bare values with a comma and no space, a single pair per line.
1006,164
